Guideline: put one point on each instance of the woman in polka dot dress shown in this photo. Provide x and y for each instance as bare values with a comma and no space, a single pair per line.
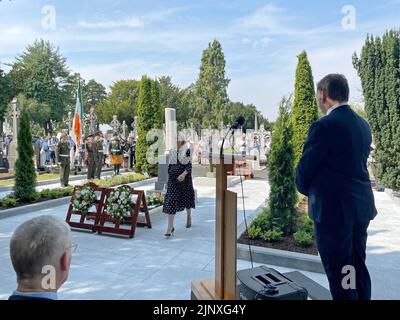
180,192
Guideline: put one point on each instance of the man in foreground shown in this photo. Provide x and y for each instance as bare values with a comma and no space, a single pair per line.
333,174
41,252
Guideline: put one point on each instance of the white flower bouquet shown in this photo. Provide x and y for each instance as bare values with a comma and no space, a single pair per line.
83,199
120,202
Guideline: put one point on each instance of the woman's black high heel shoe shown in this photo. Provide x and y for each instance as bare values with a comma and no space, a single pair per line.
169,235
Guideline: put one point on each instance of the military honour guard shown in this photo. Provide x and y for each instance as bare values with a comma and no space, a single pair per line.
63,158
116,153
91,157
99,141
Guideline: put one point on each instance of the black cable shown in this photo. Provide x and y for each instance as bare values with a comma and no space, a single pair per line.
231,131
245,219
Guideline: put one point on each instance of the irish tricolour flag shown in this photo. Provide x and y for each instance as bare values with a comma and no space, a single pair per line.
78,117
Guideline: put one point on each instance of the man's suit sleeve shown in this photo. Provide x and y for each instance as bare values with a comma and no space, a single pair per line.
315,150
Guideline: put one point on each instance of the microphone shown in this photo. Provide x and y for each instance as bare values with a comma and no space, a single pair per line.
239,123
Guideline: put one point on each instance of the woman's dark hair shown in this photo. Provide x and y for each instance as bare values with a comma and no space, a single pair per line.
335,86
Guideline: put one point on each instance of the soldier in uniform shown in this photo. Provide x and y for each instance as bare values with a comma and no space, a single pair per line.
99,154
90,156
63,158
116,153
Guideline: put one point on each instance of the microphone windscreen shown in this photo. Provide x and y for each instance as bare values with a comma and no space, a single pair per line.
241,121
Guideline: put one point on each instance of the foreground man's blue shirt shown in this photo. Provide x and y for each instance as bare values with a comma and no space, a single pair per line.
17,295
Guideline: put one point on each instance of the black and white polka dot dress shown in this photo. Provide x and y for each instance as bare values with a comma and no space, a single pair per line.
180,195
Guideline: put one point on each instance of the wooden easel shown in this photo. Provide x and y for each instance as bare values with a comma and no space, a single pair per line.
87,216
131,221
224,285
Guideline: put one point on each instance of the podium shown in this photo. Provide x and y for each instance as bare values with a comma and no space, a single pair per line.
224,285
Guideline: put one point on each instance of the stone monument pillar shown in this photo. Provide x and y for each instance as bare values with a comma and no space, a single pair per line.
124,129
13,154
171,129
171,134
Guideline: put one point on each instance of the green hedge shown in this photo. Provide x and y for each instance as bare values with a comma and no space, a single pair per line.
12,201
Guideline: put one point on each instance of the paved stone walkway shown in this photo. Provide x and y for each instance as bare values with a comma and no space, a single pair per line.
151,267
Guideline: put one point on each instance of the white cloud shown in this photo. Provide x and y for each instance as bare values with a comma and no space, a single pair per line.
265,41
267,17
129,23
132,22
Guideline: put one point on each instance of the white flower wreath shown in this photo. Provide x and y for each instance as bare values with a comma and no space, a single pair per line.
119,203
83,199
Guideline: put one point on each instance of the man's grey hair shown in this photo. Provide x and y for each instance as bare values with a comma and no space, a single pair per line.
37,243
335,86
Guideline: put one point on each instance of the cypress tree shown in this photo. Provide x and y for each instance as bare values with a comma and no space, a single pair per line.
378,68
305,109
25,175
144,114
283,194
391,44
5,93
157,121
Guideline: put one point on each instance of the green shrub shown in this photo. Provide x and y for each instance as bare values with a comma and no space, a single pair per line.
306,224
9,201
35,197
274,235
254,232
303,238
45,194
262,221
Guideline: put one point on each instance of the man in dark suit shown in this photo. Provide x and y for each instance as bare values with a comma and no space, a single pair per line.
333,174
40,252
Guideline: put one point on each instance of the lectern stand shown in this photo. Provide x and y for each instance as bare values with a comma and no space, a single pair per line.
223,286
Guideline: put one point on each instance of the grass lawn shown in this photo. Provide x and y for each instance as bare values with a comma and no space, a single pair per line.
42,177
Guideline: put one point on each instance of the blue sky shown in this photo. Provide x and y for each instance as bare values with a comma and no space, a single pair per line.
112,40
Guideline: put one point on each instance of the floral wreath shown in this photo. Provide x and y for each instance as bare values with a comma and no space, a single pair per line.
156,200
84,198
120,202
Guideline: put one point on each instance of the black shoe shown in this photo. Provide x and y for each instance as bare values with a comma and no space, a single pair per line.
169,235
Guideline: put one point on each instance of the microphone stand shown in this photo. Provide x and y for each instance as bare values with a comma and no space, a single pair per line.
231,131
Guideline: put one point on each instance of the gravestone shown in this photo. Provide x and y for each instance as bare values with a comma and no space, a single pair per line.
115,125
92,122
13,154
135,128
255,164
124,129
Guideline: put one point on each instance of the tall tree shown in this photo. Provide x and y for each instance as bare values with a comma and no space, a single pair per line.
378,68
145,123
236,109
38,112
157,109
170,94
305,109
41,73
25,175
283,194
211,87
122,102
186,110
93,94
5,93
